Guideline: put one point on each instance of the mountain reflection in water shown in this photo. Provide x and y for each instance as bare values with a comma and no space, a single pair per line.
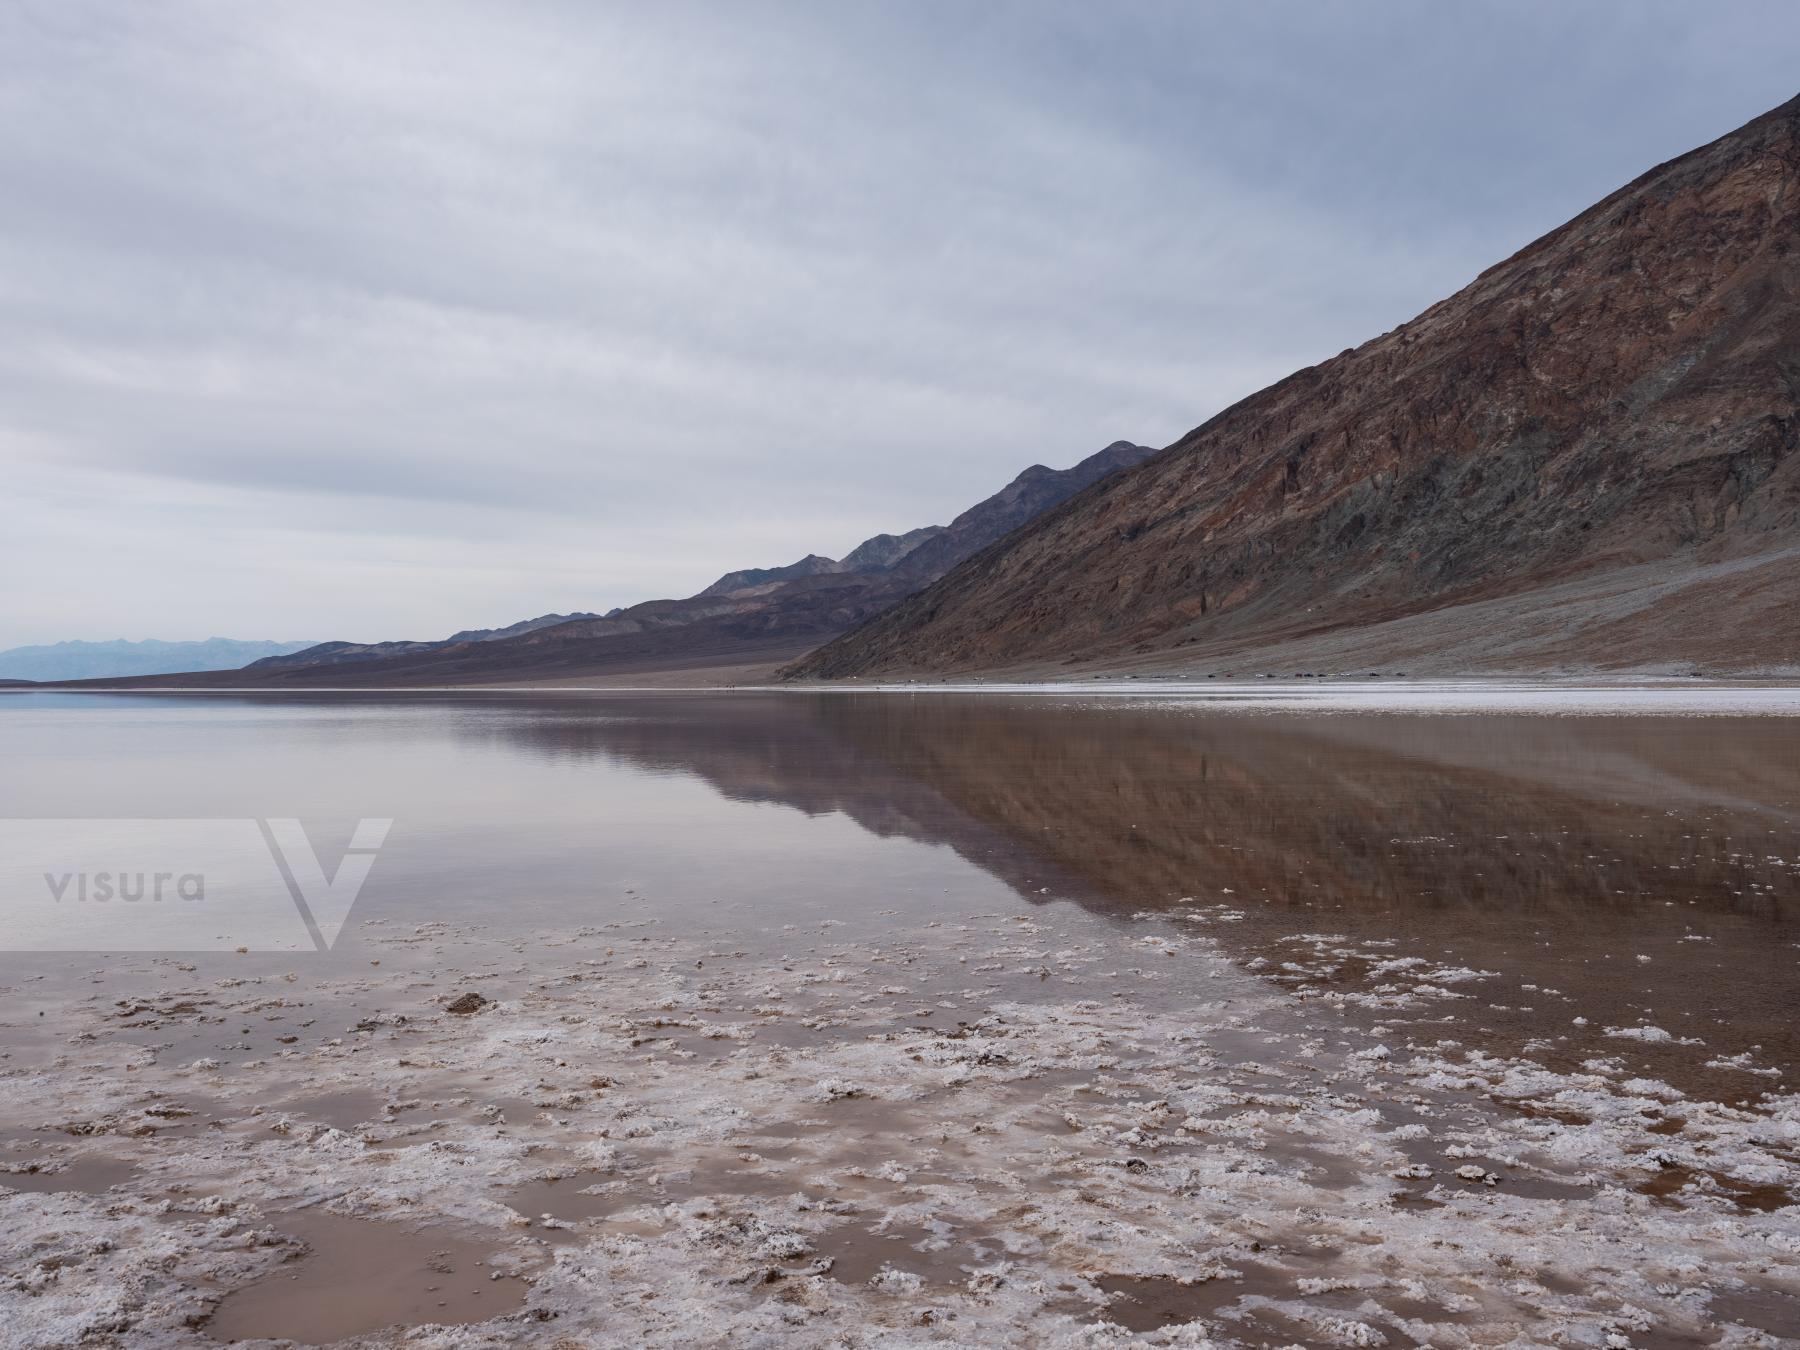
1631,871
1645,868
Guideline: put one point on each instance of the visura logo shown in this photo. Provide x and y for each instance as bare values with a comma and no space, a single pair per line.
129,887
179,884
324,902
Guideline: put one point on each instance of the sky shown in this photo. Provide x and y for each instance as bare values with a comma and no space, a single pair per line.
383,320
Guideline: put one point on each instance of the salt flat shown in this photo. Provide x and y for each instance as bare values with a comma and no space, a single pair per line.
1082,1018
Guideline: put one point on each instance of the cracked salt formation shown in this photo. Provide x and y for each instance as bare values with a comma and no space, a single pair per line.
1042,1129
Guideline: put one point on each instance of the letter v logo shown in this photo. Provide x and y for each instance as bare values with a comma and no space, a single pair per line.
324,905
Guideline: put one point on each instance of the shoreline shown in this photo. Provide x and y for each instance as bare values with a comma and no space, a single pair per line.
1625,696
1025,1020
1030,1121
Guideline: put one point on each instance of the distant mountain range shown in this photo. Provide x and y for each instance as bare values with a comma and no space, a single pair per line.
749,617
97,660
348,653
1583,460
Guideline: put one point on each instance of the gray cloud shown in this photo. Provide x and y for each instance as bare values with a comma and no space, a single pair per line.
351,320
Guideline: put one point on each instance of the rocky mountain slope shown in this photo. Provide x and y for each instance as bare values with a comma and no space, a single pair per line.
354,653
765,616
872,555
522,626
1584,459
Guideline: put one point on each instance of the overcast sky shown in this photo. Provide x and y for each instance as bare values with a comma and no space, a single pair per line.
375,320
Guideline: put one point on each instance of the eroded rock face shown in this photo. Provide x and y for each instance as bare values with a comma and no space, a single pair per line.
1621,391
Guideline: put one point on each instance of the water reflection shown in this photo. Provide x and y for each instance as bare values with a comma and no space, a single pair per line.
1628,871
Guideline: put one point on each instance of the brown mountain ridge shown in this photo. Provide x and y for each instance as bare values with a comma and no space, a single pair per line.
1582,460
741,626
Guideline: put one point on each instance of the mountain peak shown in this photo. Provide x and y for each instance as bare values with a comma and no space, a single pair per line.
748,579
1621,392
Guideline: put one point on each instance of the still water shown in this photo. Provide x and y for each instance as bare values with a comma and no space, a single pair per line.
1631,871
804,1018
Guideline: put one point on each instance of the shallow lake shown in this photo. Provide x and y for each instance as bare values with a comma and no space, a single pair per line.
1643,867
1286,1011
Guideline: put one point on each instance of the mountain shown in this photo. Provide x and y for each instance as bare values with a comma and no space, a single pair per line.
755,578
748,618
1029,495
352,653
885,550
92,660
875,554
514,629
1582,460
